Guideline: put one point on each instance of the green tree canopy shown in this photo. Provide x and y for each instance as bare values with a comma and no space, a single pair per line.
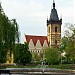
22,54
52,55
9,34
69,43
36,56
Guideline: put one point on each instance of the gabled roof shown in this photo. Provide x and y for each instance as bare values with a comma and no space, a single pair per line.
35,39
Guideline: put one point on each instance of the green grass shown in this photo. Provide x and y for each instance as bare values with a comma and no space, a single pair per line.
63,66
21,67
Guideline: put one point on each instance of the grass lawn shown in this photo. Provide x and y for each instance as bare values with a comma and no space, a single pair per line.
21,67
63,66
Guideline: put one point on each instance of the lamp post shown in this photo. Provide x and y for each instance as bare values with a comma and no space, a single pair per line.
62,55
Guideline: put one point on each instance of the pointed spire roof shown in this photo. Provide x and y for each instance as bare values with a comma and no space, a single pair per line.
54,14
54,19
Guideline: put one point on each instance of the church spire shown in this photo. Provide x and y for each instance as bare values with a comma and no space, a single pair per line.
54,4
54,15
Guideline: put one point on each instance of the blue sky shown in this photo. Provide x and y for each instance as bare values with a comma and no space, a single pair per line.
31,15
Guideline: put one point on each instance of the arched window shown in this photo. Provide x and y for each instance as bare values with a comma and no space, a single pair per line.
38,51
55,29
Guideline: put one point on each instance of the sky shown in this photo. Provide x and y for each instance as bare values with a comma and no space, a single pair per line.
31,15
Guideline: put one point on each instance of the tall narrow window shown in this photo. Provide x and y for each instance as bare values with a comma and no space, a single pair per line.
49,29
55,42
55,29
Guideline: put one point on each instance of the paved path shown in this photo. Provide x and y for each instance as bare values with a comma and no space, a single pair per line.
36,71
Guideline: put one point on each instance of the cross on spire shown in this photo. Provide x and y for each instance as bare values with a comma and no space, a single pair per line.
54,4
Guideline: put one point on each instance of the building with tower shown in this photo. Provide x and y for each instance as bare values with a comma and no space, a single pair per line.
53,38
54,28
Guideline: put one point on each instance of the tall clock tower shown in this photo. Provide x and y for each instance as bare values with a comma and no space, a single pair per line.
54,28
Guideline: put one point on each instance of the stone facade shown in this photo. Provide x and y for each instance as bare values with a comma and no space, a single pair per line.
36,43
54,35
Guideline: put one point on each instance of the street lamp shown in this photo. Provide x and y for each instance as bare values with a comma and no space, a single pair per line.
62,55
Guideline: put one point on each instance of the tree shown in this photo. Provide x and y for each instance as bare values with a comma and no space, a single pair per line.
22,54
36,57
52,55
64,43
69,43
9,34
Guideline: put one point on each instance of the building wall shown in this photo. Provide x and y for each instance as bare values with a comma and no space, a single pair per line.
38,48
54,34
31,46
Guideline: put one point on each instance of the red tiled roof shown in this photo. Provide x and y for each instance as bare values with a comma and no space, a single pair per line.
35,38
